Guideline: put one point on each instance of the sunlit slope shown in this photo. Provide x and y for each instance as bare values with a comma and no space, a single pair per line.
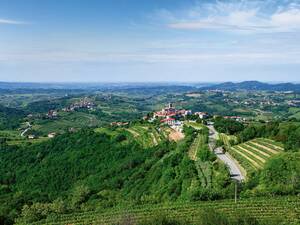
253,154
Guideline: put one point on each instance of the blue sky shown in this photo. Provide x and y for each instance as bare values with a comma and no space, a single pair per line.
149,40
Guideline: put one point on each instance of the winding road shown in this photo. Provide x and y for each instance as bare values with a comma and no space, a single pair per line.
234,170
28,128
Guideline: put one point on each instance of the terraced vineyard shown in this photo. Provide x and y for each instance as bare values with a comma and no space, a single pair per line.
145,135
199,141
253,154
283,209
204,169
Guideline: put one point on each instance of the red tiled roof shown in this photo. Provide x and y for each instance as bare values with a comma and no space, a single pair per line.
168,119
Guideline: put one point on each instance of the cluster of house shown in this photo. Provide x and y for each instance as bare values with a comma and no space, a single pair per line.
84,103
170,115
254,102
295,103
52,114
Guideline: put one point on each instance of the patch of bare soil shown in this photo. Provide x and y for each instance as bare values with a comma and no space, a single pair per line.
176,135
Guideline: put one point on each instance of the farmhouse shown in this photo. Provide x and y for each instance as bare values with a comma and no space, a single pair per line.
202,115
31,136
52,114
51,135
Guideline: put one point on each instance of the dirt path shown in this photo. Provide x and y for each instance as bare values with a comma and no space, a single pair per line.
176,135
27,129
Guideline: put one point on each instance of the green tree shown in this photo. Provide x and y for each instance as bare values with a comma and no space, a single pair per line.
79,195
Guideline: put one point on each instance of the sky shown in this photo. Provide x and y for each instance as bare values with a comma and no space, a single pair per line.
149,40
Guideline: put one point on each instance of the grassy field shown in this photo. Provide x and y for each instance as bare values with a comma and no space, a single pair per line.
195,125
25,140
10,134
107,130
296,115
281,209
253,154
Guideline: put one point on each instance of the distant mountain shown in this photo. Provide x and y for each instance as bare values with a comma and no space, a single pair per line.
96,86
57,86
254,86
161,87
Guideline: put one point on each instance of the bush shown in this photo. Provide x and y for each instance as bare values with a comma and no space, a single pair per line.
228,126
204,154
281,174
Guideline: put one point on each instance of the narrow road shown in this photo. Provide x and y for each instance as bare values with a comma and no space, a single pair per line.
28,128
234,170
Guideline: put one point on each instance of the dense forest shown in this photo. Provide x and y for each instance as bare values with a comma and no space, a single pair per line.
10,118
88,170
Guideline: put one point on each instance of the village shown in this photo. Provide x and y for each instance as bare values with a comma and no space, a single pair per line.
53,114
84,103
169,116
174,117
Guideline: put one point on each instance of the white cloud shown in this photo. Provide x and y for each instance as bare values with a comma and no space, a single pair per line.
245,16
289,19
132,57
12,22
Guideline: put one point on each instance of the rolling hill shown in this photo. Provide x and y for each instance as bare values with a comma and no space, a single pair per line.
254,86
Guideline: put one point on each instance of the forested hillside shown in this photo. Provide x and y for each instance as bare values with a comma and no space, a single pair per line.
90,170
10,118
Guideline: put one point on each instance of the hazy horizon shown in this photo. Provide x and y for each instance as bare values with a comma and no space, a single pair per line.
143,82
149,41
